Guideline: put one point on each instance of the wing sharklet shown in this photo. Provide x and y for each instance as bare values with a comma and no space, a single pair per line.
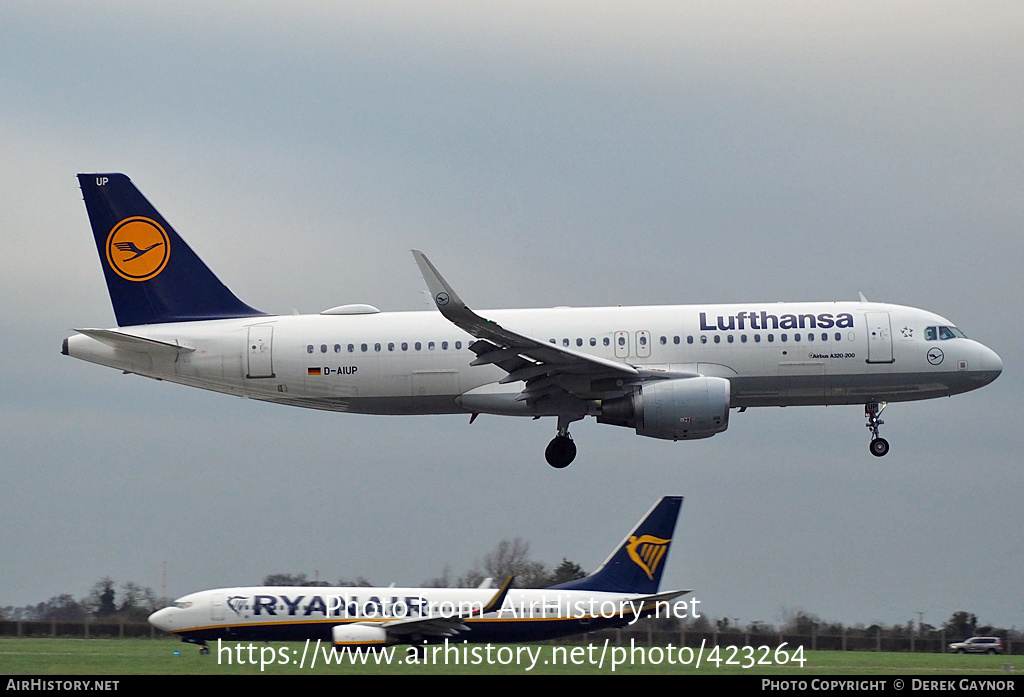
554,359
499,598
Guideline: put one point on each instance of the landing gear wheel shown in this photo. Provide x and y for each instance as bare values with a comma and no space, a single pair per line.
879,447
561,451
204,651
872,410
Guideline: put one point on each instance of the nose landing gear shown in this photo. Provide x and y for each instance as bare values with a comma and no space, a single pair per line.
872,410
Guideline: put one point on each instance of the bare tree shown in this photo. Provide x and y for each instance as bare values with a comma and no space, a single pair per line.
442,581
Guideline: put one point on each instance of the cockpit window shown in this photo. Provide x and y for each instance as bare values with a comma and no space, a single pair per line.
943,333
182,606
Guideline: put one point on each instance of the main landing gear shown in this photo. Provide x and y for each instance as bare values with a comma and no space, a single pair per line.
872,410
561,451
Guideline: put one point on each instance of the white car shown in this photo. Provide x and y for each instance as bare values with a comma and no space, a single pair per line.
978,644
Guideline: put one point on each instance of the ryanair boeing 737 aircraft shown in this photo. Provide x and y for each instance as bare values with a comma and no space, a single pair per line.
622,590
669,372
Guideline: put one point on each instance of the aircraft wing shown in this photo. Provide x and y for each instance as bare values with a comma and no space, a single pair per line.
545,367
444,626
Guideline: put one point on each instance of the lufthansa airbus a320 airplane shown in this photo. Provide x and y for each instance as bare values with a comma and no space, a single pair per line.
669,372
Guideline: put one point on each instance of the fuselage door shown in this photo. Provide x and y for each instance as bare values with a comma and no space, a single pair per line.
217,607
260,350
621,344
879,338
643,344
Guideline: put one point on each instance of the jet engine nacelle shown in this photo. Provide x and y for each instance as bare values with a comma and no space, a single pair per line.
363,635
683,409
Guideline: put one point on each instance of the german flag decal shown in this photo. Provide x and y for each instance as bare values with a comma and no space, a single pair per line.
314,371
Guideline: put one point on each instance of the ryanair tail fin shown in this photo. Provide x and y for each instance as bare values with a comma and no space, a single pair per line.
636,565
152,275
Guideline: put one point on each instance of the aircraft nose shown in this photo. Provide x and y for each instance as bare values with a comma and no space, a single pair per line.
161,619
991,364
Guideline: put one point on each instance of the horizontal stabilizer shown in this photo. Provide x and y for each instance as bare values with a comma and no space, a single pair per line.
129,342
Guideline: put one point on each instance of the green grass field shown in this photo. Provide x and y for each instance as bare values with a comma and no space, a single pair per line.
159,657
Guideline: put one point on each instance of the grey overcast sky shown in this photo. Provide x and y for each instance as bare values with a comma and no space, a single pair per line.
542,153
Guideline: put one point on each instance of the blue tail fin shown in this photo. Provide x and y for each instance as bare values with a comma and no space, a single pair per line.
152,275
636,565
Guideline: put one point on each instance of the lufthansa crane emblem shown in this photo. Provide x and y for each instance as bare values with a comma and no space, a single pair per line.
441,298
935,356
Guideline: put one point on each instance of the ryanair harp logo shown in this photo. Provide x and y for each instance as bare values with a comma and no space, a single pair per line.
138,249
647,551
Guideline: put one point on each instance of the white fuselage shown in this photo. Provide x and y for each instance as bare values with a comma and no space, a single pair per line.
267,613
775,354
